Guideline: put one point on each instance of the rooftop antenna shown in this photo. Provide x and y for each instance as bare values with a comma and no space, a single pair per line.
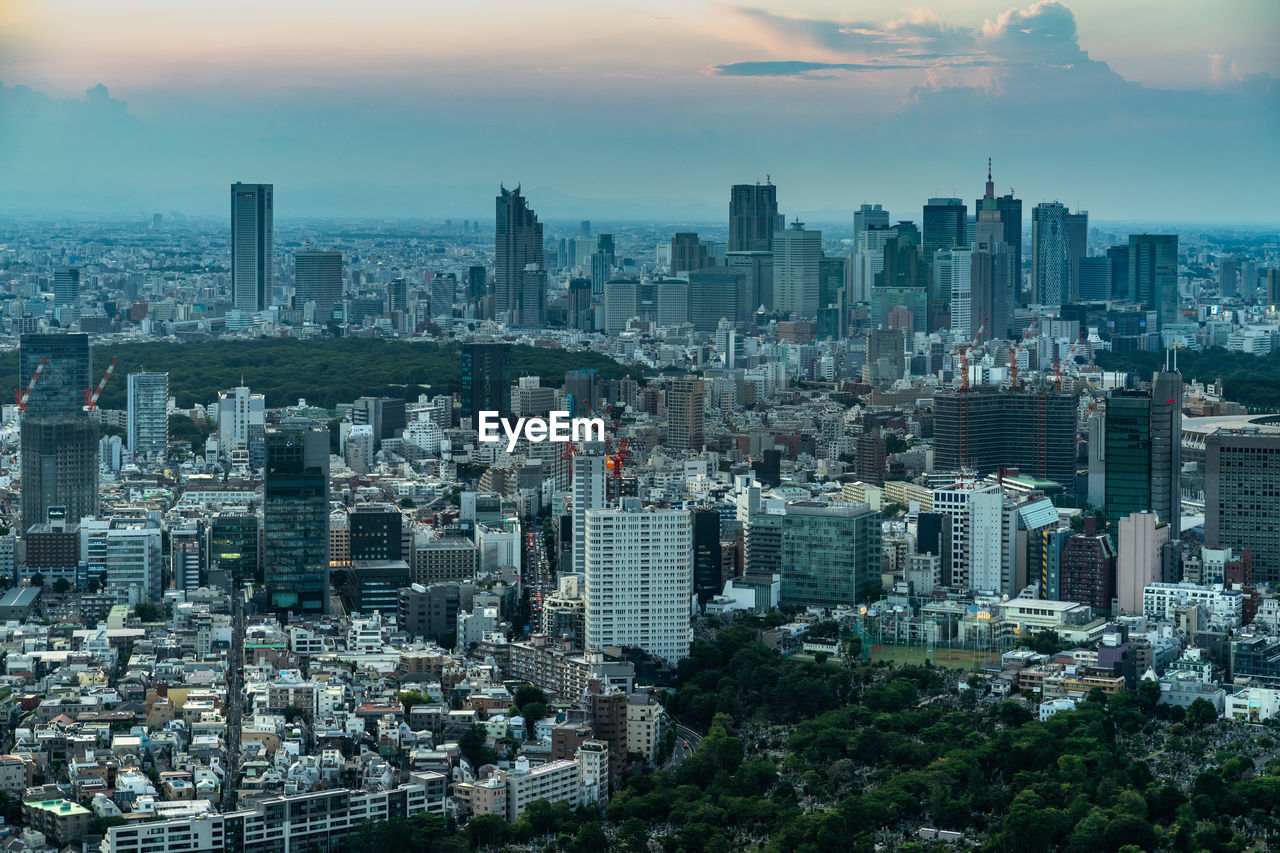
991,186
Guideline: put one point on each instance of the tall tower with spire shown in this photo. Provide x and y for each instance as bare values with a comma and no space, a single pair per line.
1010,209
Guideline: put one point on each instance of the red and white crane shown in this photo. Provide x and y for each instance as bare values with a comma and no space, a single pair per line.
91,395
21,395
964,355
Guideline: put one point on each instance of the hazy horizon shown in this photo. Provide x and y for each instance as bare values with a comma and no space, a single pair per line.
640,112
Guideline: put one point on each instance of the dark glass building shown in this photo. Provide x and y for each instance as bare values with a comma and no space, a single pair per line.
295,515
706,554
486,379
1242,496
234,545
317,278
376,533
1143,432
753,217
520,277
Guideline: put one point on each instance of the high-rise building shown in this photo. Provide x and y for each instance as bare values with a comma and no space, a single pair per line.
707,582
128,552
757,281
639,576
869,457
234,546
686,413
66,286
477,283
295,518
869,216
1119,258
59,440
148,415
1008,212
581,311
1095,279
1144,452
868,259
377,533
1153,274
830,554
713,296
520,279
688,253
486,379
252,245
1138,544
241,417
621,304
986,429
943,228
1087,572
318,278
753,217
1058,242
588,487
797,258
1242,496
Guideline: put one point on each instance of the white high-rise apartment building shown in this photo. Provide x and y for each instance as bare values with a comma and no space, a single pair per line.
148,414
238,410
252,246
962,325
797,257
588,494
639,568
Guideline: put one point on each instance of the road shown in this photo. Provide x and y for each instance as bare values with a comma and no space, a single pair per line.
687,741
537,575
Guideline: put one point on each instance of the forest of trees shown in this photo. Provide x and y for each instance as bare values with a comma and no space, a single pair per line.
1251,380
324,372
814,757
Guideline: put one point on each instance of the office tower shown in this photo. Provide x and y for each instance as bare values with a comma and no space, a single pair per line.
1008,212
673,303
1272,294
66,287
713,296
953,502
832,275
601,271
1242,496
868,259
318,278
148,415
584,387
1138,544
486,380
1153,274
620,304
1097,443
869,216
376,532
986,429
386,416
606,247
753,217
688,253
965,322
1228,276
588,488
1095,279
1144,452
1087,571
1078,241
584,228
240,422
757,281
707,582
797,257
829,554
995,279
639,572
581,313
943,228
477,283
128,551
869,457
59,441
252,245
519,274
686,404
397,295
234,546
885,354
295,518
1119,258
1050,254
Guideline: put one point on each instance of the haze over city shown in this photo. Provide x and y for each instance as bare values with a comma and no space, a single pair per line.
1146,111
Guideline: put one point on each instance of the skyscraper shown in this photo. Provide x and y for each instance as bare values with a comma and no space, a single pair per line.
588,486
1054,275
318,279
688,253
1009,210
148,416
753,217
486,379
295,518
869,216
66,286
581,312
1153,274
59,439
252,245
639,571
477,283
1143,455
706,554
520,278
1242,496
686,407
713,295
943,228
797,259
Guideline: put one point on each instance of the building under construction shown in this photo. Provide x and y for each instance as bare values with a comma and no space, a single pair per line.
987,428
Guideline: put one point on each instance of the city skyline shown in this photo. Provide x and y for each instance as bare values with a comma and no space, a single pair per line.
798,93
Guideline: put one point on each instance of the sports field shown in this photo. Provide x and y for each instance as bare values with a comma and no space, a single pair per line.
950,658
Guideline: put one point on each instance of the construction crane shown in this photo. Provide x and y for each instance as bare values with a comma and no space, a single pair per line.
91,395
21,395
620,458
1017,350
964,355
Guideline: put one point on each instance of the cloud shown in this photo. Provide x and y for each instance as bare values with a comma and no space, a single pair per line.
785,68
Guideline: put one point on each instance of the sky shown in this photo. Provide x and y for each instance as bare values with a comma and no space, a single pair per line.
1163,110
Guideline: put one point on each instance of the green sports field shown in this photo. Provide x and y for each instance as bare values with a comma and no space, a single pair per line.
950,658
